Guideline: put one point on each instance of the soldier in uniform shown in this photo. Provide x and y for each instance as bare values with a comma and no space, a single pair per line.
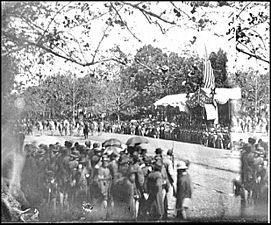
184,190
155,206
168,162
104,181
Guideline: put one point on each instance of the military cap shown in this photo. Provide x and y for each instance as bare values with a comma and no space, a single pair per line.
181,165
158,151
170,152
251,140
68,144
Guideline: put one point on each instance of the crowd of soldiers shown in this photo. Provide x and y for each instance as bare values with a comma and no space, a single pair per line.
254,173
117,177
214,137
210,137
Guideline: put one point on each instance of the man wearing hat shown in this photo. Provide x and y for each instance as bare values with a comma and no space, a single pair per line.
183,191
168,163
88,144
165,179
113,166
247,166
68,145
251,142
104,181
264,145
139,178
154,203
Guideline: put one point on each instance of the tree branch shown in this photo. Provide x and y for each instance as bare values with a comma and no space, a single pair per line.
150,13
251,55
145,66
125,24
99,44
42,36
22,41
180,10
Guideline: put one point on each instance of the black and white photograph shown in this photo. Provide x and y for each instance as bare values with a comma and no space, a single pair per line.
135,111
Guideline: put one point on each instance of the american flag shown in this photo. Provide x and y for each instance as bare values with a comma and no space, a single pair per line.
208,74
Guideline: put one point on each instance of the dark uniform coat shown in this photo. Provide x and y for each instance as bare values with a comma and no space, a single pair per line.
155,201
184,188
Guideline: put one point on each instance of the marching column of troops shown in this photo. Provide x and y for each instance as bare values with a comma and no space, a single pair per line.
124,180
209,137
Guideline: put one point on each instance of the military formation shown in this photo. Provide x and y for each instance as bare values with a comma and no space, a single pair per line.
112,176
213,137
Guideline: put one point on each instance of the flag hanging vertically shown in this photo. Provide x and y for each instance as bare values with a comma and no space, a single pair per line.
209,82
208,74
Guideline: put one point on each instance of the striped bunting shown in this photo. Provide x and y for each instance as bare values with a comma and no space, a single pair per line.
208,74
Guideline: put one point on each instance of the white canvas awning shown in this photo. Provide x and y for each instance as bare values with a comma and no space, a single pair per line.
222,96
173,100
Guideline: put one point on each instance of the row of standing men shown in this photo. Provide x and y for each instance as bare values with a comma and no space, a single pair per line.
212,137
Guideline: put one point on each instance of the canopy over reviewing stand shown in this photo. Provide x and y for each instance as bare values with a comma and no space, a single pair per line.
221,96
174,100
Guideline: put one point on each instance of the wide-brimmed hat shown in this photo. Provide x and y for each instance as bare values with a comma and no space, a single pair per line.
181,165
252,140
170,152
158,151
68,144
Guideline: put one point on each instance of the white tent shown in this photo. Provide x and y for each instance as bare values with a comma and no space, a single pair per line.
173,100
222,95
